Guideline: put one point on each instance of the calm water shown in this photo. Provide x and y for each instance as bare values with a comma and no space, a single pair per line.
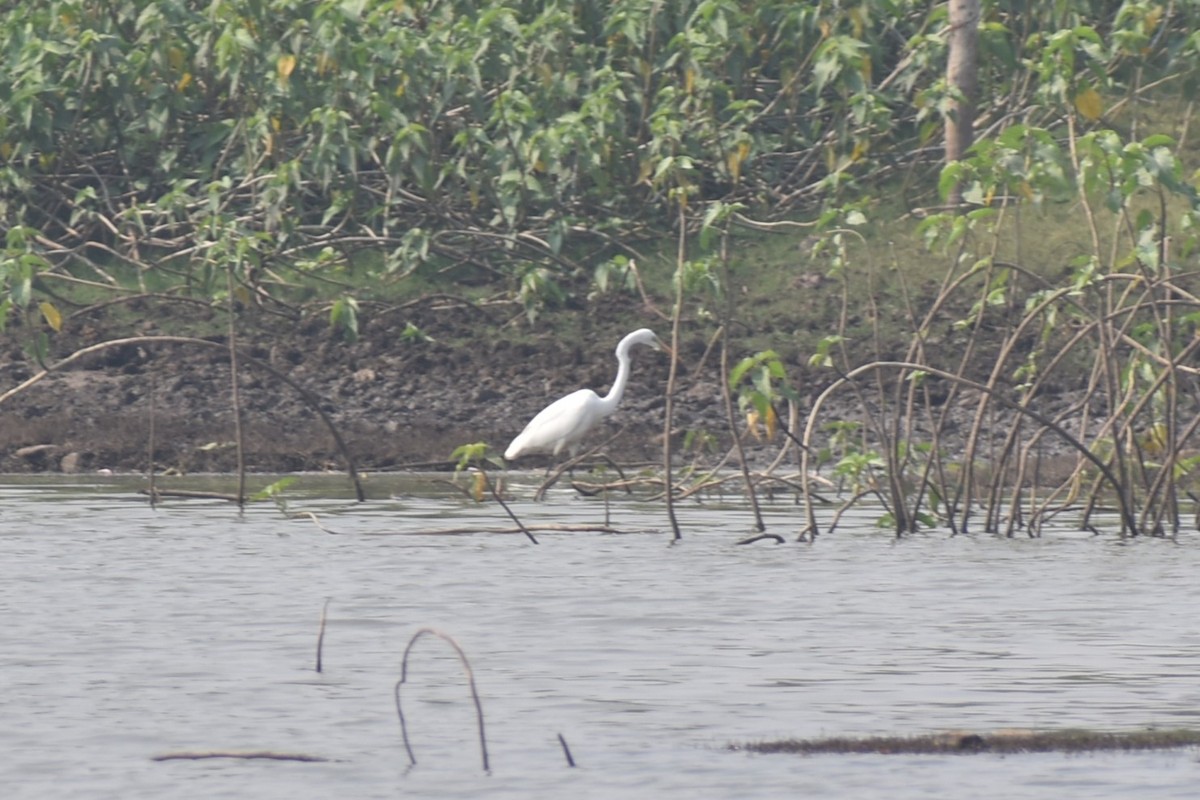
128,632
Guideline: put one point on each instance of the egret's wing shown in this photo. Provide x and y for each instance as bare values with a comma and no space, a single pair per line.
557,425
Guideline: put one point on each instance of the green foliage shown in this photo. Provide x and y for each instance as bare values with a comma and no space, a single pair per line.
618,274
823,356
274,492
467,455
343,317
414,335
759,380
494,136
538,290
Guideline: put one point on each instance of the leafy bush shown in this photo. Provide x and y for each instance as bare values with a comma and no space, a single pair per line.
258,134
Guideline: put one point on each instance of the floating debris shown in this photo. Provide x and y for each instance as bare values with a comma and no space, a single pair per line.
243,754
1004,741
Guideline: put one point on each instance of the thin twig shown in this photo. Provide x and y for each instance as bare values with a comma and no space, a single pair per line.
150,446
236,395
311,517
496,495
571,463
566,750
462,657
669,410
321,633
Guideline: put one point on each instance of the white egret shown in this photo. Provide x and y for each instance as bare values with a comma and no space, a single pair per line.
563,423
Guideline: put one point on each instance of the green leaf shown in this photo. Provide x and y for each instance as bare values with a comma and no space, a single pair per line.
22,291
468,454
343,316
950,177
274,489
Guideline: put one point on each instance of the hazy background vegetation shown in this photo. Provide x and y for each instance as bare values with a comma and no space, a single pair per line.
523,145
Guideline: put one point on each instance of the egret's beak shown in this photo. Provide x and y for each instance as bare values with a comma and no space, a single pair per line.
666,348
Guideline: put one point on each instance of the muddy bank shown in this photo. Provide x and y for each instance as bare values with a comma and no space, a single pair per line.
398,403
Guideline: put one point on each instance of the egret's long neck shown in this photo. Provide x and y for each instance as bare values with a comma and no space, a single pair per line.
610,401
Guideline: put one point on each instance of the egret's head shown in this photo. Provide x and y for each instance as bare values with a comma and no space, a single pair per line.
642,336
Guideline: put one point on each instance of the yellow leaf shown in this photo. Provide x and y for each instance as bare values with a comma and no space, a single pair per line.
184,82
1154,441
6,150
689,80
1089,103
284,66
858,20
736,158
772,423
1150,21
51,315
480,485
175,57
752,424
645,170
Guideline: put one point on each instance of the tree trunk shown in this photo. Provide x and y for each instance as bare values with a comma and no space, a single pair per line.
962,77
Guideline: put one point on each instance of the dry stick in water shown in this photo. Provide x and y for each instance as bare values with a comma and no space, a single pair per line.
313,518
593,489
495,494
1128,520
470,683
321,633
236,395
570,463
774,537
566,750
726,390
150,446
727,396
669,409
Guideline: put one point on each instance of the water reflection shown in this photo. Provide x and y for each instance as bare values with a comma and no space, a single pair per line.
130,632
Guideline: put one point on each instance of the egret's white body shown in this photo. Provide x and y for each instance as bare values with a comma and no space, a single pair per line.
562,424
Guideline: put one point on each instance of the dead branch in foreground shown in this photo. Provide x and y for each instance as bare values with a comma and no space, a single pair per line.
253,754
1004,741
